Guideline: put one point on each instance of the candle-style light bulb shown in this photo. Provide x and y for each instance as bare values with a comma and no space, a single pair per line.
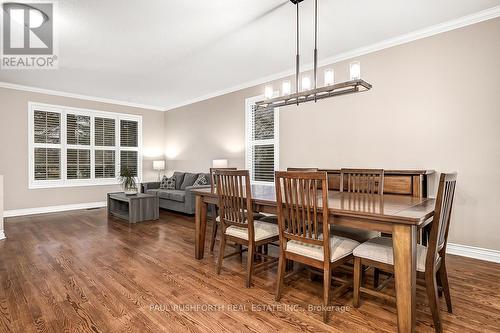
329,77
355,70
269,92
286,88
306,82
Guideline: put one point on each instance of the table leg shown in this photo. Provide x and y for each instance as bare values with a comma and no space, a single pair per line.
404,240
200,227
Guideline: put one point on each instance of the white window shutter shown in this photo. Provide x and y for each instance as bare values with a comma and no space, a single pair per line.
104,132
47,127
77,130
262,147
129,133
47,163
78,164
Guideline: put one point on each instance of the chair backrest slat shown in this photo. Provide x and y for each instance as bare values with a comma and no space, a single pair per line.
235,198
300,215
442,215
212,176
368,181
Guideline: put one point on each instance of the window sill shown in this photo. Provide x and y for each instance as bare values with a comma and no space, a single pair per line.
57,184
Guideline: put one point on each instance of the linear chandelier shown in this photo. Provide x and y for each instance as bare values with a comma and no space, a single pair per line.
306,93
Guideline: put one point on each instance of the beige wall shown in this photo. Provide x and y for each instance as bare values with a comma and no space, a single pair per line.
14,150
1,205
435,104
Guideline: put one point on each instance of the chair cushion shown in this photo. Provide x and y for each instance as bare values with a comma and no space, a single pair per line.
262,230
340,247
189,179
380,249
256,216
174,195
352,233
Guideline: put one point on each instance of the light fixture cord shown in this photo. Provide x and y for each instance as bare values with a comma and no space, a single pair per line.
315,47
297,57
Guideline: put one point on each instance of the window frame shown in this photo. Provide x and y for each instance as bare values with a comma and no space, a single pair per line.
250,143
63,146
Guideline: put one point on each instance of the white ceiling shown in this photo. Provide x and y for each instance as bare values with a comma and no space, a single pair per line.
168,52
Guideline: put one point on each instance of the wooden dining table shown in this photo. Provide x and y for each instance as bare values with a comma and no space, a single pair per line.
401,216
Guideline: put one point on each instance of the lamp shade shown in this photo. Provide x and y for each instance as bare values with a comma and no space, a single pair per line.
219,164
159,165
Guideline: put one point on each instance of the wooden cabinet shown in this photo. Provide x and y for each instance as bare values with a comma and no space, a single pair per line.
400,182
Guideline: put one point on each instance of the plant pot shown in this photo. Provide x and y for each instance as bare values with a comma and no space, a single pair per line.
130,191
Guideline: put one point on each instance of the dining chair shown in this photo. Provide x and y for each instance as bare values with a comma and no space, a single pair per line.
213,208
301,169
304,231
431,259
362,181
271,218
237,221
369,181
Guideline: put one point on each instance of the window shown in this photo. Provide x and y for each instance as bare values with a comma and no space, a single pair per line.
76,147
262,155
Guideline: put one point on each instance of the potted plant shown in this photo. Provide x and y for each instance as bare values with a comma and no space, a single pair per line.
128,182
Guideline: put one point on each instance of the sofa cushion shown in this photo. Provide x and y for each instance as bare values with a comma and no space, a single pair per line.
174,195
189,179
179,177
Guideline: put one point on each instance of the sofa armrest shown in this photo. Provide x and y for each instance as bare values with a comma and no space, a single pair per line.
150,186
190,197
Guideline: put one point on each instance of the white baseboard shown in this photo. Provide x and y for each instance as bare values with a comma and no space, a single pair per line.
473,252
2,234
53,209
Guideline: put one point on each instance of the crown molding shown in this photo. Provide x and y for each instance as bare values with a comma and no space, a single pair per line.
13,86
460,22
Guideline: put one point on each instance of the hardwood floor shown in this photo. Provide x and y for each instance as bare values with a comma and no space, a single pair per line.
80,272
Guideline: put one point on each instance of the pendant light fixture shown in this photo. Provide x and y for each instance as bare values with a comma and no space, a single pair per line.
309,91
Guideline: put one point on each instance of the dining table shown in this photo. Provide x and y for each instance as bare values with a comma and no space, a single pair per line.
398,215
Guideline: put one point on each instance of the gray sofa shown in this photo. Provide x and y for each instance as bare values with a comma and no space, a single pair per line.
182,198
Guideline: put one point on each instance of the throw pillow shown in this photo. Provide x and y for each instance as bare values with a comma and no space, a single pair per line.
167,183
201,180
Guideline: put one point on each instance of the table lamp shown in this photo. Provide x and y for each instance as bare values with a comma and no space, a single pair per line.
219,164
159,166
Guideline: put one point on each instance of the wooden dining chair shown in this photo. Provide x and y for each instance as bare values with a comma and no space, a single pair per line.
369,181
304,231
213,208
362,181
301,169
237,221
271,218
431,260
